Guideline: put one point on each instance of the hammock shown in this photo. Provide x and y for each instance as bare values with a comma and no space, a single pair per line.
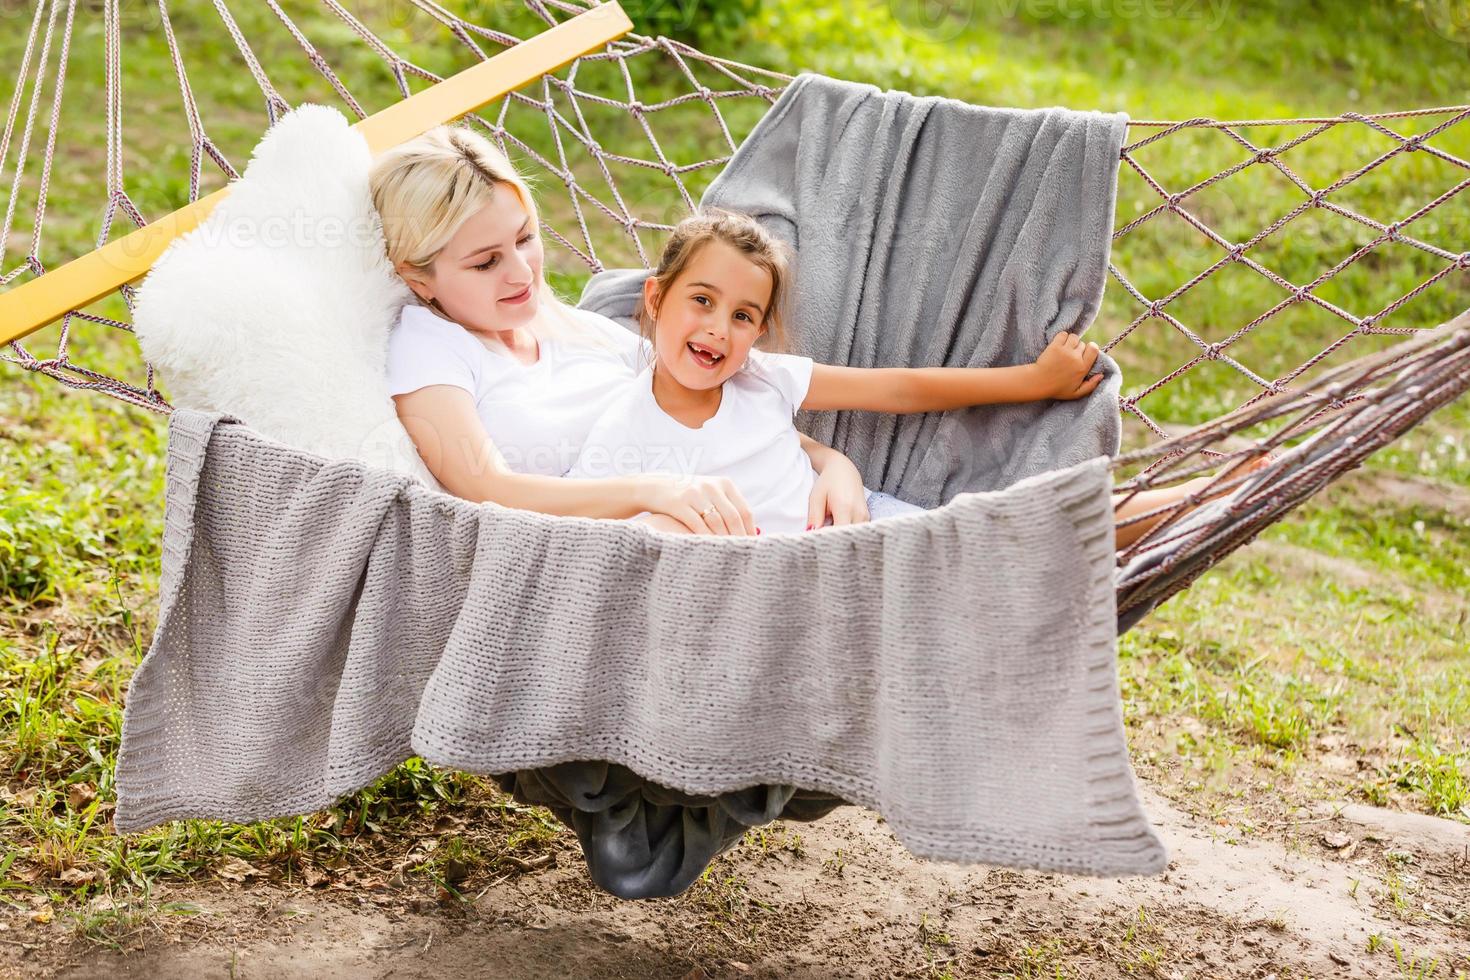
573,85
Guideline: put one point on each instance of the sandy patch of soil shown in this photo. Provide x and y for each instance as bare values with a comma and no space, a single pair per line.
841,898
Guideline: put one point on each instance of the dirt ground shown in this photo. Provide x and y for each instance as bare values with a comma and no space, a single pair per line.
1348,892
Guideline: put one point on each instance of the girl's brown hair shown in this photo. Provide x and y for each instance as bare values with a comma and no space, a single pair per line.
741,232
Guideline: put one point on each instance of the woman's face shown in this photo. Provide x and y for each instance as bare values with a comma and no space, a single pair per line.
710,316
488,276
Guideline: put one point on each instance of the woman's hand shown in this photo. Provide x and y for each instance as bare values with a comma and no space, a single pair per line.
661,522
838,492
1062,369
703,504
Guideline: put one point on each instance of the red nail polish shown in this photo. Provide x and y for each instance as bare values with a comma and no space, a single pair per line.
810,526
757,530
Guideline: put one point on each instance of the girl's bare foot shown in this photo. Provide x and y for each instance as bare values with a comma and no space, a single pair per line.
1237,472
1146,501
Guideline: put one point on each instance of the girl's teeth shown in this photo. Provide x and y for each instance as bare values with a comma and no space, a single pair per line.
704,356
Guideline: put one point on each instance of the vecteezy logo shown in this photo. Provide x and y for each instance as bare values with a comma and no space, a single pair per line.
1450,19
933,20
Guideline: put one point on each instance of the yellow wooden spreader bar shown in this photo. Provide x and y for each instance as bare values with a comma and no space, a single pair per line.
30,306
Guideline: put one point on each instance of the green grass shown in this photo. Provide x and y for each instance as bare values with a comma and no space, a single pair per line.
1417,543
1273,669
1330,662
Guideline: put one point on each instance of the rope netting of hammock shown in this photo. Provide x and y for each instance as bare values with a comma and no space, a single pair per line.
1253,260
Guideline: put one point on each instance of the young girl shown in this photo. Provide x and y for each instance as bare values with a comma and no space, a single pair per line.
710,404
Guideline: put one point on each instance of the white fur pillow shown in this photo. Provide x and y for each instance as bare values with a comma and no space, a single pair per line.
277,308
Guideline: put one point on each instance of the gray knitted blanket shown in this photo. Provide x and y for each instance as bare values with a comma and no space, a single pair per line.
929,231
322,620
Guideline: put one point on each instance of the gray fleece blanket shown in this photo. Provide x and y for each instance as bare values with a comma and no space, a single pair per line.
931,232
321,620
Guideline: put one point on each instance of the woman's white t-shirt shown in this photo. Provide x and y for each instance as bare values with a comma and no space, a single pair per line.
537,415
750,439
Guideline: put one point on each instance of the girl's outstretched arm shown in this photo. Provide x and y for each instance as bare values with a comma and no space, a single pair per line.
1062,372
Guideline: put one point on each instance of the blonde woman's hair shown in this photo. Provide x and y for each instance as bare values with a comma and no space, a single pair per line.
426,188
744,234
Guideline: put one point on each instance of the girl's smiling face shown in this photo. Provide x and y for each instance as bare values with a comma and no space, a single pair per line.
710,316
488,276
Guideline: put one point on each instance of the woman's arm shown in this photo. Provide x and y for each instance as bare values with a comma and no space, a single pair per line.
1060,372
838,490
452,441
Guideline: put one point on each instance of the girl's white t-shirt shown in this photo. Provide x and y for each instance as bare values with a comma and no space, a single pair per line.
537,415
750,439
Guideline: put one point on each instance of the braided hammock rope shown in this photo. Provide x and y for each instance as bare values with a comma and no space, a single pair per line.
585,128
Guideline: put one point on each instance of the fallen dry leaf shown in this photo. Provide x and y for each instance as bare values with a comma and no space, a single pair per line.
234,869
77,876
